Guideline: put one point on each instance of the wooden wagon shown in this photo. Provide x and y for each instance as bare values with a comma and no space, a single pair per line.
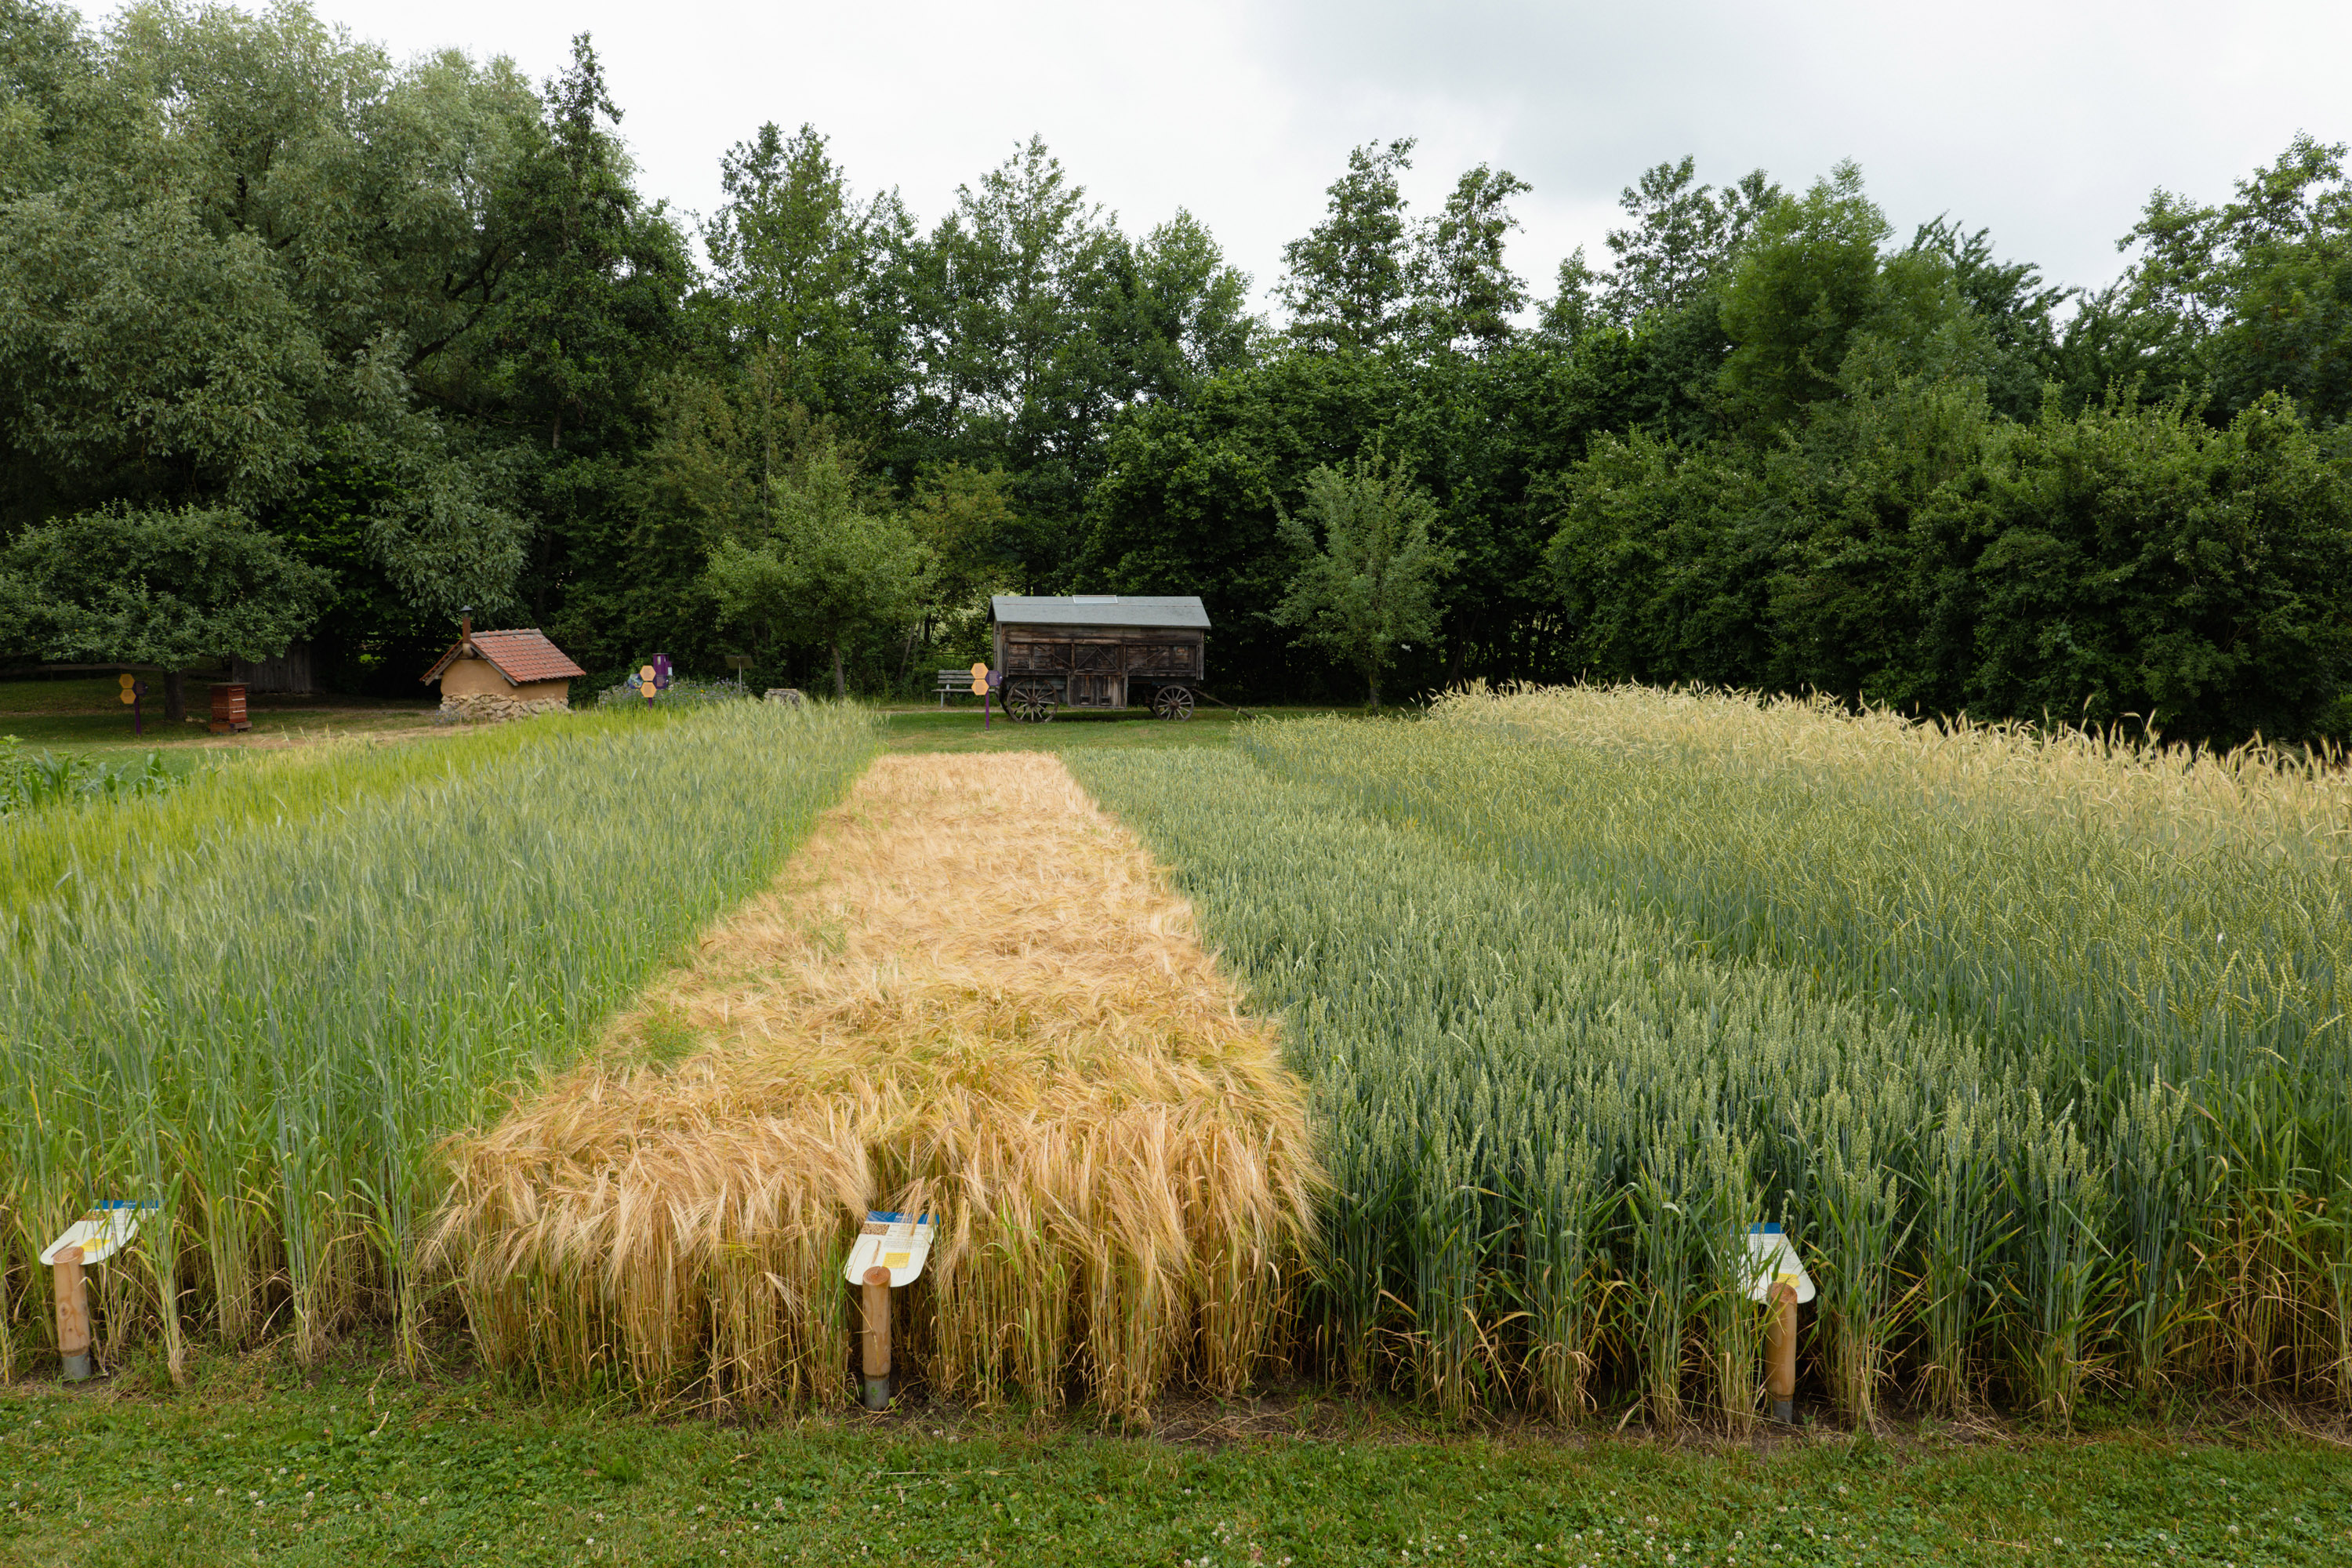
1099,650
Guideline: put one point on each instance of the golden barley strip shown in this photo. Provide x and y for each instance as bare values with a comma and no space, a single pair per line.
971,994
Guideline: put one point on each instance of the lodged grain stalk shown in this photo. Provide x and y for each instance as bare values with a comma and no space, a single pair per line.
971,993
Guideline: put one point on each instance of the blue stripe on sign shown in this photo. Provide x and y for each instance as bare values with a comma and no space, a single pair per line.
894,1219
1763,1230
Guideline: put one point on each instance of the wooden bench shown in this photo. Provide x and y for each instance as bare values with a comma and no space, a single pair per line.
954,681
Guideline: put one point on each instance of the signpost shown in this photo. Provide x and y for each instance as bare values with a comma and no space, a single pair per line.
134,689
889,1252
979,690
1777,1279
91,1239
739,663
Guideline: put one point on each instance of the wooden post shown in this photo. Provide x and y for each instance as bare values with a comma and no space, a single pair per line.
877,1338
73,1314
1781,1353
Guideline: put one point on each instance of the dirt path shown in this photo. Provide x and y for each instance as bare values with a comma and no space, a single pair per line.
971,992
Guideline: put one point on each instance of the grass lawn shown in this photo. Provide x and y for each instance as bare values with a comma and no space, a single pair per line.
88,715
929,727
351,1466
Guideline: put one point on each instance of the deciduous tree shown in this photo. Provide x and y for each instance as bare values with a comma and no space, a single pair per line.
1367,567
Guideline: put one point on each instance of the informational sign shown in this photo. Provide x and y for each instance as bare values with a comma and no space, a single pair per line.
979,680
101,1233
894,1241
1771,1261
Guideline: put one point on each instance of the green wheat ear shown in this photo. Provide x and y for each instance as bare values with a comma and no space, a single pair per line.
272,993
1929,977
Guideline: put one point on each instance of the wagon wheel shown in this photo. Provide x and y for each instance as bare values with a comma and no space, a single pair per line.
1030,701
1172,702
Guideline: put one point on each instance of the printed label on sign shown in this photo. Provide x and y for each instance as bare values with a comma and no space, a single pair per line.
101,1233
1771,1262
898,1242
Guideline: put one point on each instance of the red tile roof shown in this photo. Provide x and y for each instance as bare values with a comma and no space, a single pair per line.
521,656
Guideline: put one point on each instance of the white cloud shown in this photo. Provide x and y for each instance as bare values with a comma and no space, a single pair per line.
2047,122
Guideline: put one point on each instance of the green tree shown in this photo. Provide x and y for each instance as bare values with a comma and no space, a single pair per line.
570,364
1801,293
1811,306
826,566
1367,567
1464,295
964,516
2137,562
1187,313
1023,310
244,257
814,281
1681,243
2014,308
170,588
1349,279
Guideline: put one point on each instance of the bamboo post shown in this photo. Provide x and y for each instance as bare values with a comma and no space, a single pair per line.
1781,1353
73,1315
877,1338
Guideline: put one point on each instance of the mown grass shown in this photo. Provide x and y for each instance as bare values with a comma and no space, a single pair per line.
87,714
964,729
258,1461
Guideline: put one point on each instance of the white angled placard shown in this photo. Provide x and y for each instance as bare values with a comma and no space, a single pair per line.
894,1241
1772,1261
101,1233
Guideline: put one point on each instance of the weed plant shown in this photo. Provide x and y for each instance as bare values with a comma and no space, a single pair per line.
30,780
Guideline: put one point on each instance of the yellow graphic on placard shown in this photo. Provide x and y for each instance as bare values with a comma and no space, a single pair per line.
896,1259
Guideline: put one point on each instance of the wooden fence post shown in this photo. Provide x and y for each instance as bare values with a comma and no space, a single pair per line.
877,1338
73,1315
1781,1353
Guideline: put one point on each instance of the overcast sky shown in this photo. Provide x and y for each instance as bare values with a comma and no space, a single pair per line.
2047,122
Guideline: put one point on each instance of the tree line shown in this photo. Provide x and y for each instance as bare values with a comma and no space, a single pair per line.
297,342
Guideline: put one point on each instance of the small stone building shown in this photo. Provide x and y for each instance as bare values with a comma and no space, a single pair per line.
488,675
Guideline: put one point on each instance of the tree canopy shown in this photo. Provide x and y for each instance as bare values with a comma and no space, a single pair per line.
411,336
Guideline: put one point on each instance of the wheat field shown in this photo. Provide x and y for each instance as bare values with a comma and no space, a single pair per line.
2033,1041
265,998
970,993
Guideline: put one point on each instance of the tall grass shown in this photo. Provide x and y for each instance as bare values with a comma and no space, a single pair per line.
313,971
73,842
2033,1041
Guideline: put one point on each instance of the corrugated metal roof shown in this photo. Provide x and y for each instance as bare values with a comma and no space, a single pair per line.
1101,610
522,657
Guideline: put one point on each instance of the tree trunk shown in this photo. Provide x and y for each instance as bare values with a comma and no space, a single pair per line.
175,697
840,683
1376,690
